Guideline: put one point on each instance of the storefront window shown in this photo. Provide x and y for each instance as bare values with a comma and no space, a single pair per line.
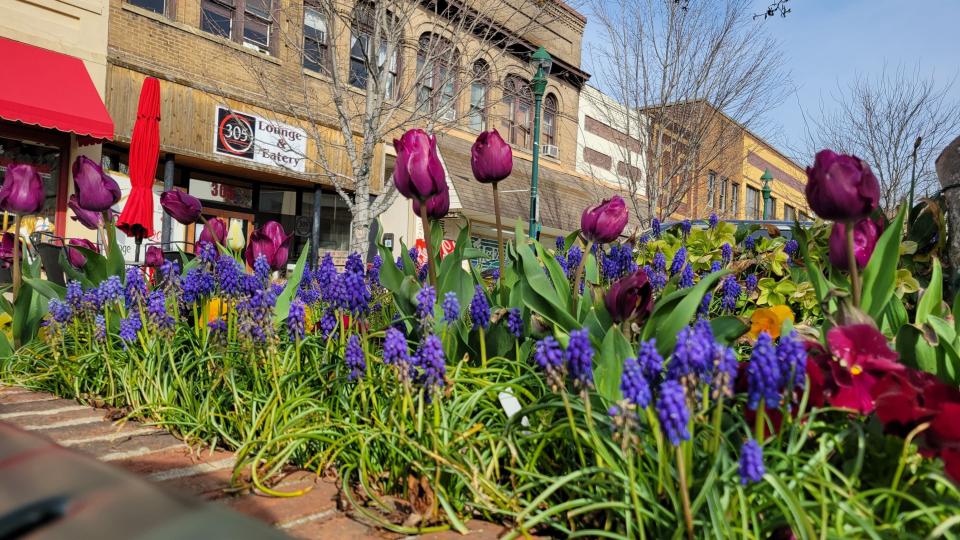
47,161
334,222
222,192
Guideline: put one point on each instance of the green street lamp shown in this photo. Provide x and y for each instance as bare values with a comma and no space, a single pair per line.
767,201
541,60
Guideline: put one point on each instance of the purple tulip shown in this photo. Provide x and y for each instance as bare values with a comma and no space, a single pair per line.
154,257
418,173
215,231
74,256
865,235
437,206
88,218
630,298
6,249
272,242
491,157
97,191
604,223
22,191
841,187
181,206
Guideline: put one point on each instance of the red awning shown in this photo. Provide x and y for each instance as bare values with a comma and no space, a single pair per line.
52,90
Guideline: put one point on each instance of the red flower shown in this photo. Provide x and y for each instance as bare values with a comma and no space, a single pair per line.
861,356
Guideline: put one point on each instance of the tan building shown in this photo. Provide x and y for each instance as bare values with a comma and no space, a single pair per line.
52,87
232,71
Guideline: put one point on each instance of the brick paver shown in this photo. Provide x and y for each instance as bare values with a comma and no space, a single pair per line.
162,458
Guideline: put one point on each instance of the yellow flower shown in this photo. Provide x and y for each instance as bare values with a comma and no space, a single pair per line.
235,238
769,320
216,309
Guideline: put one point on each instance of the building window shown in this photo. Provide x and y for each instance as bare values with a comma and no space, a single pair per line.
735,200
805,217
519,101
156,6
437,61
789,213
364,54
773,208
753,203
549,129
723,194
248,21
477,116
316,57
711,189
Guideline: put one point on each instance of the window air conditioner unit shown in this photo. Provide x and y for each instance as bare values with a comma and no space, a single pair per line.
551,150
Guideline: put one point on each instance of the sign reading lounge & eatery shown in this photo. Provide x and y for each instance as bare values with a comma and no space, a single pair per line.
253,138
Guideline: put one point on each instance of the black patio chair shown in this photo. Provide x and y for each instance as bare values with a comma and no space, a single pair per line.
49,247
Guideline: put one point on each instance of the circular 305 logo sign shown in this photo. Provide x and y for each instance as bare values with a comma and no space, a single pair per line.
235,133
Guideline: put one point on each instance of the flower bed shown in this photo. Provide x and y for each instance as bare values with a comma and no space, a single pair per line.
698,381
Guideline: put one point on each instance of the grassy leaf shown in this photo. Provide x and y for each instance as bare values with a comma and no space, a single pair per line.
282,307
880,275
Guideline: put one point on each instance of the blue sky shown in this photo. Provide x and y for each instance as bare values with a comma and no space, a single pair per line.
826,42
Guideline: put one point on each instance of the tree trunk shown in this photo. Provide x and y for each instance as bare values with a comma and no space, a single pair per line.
360,225
948,170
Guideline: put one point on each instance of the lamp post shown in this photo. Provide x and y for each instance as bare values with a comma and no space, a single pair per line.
541,60
767,177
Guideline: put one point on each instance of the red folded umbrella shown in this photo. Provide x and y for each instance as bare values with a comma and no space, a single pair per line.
137,217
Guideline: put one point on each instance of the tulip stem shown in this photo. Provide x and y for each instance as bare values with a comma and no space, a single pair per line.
852,261
578,275
427,237
16,256
684,492
496,210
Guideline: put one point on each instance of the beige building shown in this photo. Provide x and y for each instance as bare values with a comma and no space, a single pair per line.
52,88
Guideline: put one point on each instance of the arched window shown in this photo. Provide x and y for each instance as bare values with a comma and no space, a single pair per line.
364,54
519,101
479,86
437,61
548,131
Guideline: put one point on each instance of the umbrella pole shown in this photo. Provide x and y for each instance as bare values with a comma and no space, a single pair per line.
136,252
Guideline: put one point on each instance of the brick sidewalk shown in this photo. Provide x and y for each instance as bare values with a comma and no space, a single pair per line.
162,458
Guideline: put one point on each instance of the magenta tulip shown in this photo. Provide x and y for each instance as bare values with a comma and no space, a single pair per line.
154,257
87,218
6,249
97,191
604,223
22,191
491,157
631,298
74,256
214,231
865,235
841,187
418,173
181,206
272,242
437,206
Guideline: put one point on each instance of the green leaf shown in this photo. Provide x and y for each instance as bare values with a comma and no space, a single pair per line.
879,277
591,271
282,307
559,279
727,329
6,348
390,275
46,288
932,298
675,311
609,367
115,265
28,310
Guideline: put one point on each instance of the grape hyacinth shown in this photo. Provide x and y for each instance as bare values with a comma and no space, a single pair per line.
432,363
229,276
715,266
560,243
704,309
660,262
686,226
691,355
130,326
673,413
549,357
579,358
355,295
656,228
515,323
326,277
426,298
197,284
110,290
749,243
255,316
658,279
724,370
261,267
373,273
714,220
751,468
634,385
687,277
625,424
679,261
574,256
296,320
751,282
650,362
100,334
764,376
74,294
60,311
353,357
791,247
480,309
395,348
792,356
157,314
450,307
731,293
135,291
726,253
328,325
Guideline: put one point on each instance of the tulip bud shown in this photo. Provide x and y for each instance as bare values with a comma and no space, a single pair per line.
235,238
181,206
22,191
630,299
841,187
491,157
418,173
6,249
272,242
215,231
604,223
87,218
97,191
154,257
74,256
437,206
865,235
